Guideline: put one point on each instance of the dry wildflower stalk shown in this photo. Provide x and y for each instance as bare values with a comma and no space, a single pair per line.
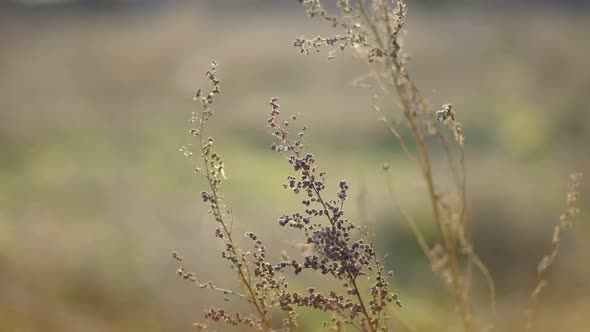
374,36
213,171
567,216
324,227
333,252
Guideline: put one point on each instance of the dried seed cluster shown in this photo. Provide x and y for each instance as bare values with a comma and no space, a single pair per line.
334,251
324,227
447,115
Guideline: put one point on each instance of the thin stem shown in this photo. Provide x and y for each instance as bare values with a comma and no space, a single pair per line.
246,281
361,6
350,276
399,77
352,279
361,302
449,244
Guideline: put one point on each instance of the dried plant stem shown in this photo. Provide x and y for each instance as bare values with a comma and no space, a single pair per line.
570,212
390,127
244,276
400,78
362,303
373,322
352,279
464,229
448,242
372,26
406,91
474,258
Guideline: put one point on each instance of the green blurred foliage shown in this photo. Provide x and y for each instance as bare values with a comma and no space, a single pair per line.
94,195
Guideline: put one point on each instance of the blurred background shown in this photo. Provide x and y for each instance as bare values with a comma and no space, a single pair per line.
95,98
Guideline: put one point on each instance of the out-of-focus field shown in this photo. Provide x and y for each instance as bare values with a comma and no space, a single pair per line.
94,195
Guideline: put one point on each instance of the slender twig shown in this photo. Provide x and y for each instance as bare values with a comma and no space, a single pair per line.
400,78
245,276
570,212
